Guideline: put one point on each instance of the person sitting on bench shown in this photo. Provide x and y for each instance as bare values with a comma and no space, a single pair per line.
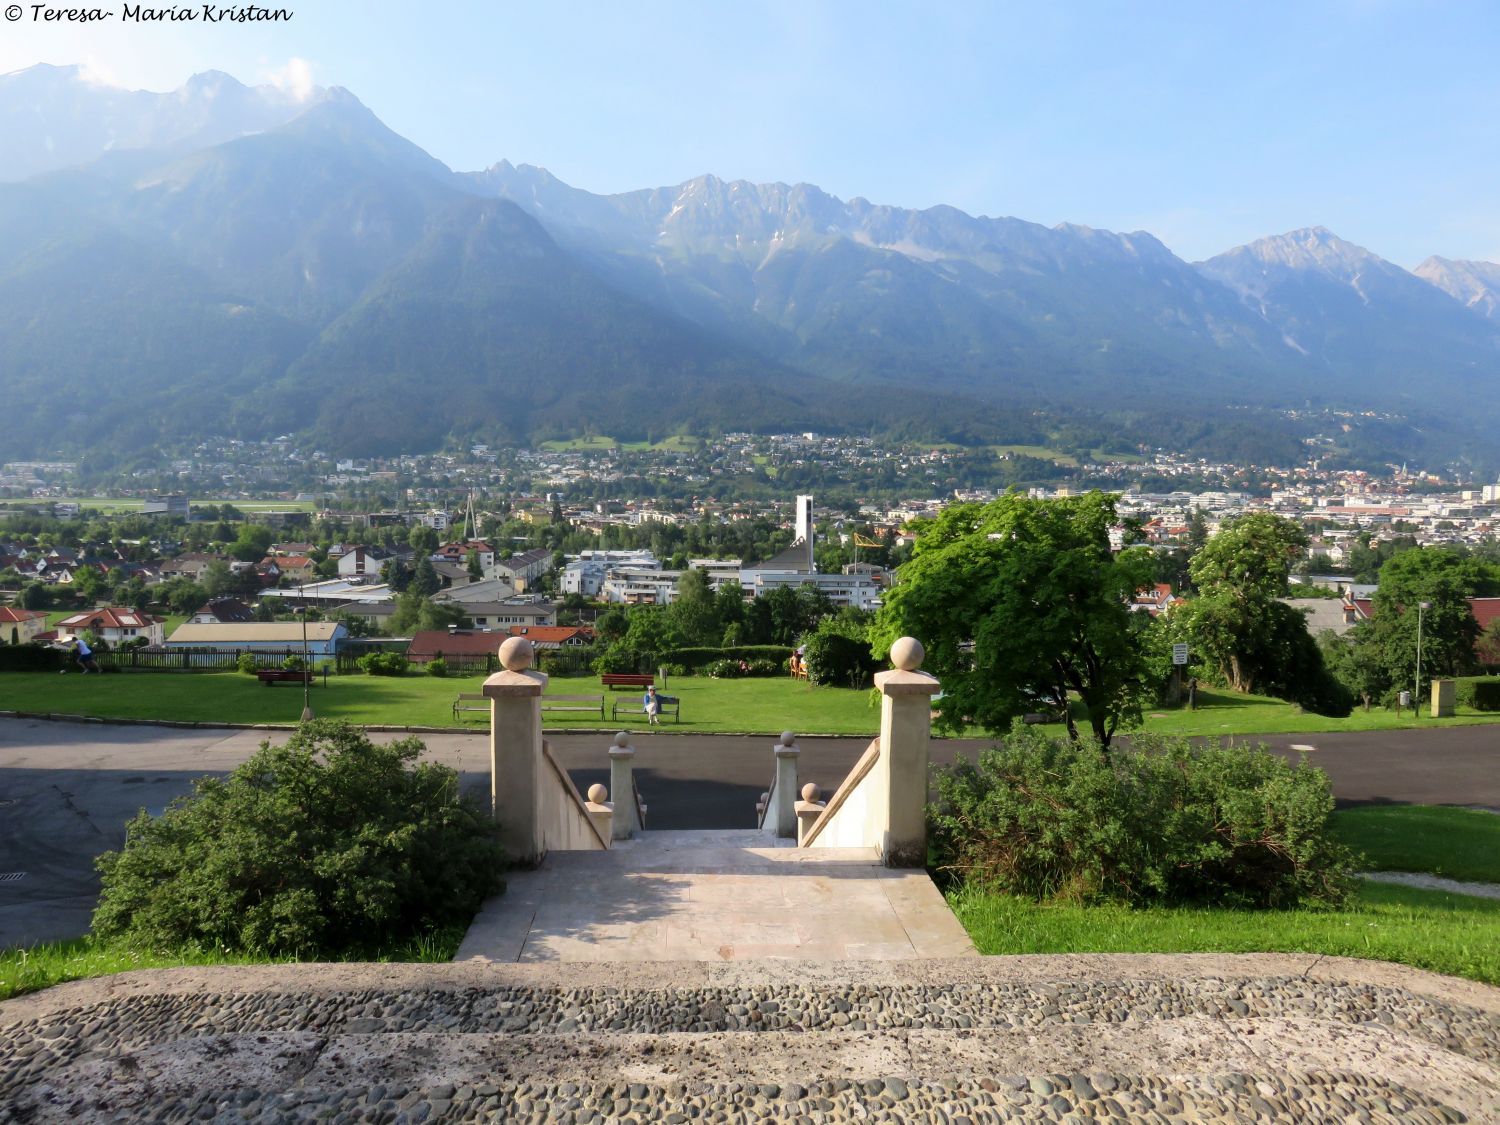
652,706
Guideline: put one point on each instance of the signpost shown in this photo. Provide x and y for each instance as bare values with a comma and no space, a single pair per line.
1179,654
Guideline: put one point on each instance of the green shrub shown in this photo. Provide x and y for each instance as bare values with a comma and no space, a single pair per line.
1480,694
246,663
1159,821
329,845
437,666
293,663
384,664
727,669
697,659
833,658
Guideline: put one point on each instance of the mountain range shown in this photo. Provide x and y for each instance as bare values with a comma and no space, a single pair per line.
246,261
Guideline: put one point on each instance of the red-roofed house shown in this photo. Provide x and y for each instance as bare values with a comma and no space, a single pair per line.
297,568
113,626
17,626
459,553
1153,599
1485,611
449,643
555,636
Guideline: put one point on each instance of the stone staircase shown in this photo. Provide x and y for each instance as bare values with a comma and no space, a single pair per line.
714,896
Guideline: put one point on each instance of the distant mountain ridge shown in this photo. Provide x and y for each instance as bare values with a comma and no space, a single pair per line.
319,272
54,117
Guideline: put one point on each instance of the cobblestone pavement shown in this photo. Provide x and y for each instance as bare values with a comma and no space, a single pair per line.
1192,1038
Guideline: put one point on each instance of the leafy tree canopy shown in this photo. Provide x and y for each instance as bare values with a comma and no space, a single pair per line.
1019,602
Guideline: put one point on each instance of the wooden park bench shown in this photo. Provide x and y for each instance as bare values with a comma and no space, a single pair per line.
669,704
574,703
471,701
627,679
269,676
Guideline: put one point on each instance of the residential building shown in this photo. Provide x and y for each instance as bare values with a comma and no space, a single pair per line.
554,636
18,626
222,611
362,562
323,637
524,569
459,553
113,626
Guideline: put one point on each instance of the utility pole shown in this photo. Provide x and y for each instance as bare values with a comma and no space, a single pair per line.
1422,607
307,712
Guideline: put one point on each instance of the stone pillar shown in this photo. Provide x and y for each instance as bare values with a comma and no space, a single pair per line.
515,695
783,815
1444,698
601,812
898,795
808,811
622,784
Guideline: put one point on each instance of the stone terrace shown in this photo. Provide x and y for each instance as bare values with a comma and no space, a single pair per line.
1256,1037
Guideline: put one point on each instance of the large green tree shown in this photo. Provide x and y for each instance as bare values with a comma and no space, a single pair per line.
1240,573
1444,580
1020,602
695,612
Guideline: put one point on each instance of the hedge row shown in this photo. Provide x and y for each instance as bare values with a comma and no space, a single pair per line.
694,659
32,658
1480,694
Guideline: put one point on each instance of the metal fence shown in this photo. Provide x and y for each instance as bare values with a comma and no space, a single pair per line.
189,659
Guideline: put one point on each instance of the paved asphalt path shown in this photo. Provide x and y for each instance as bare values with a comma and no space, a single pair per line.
67,789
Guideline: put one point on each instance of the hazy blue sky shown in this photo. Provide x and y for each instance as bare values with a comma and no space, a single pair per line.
1208,124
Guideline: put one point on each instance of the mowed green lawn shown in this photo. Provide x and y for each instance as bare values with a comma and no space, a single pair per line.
1446,933
1462,844
712,706
766,706
1224,712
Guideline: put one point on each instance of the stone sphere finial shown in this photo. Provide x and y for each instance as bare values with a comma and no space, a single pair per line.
622,740
788,738
517,655
598,794
811,793
907,654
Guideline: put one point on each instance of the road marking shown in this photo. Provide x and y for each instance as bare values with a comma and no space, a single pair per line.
12,876
1303,747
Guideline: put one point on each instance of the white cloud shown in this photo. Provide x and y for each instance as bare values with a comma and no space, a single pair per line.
295,78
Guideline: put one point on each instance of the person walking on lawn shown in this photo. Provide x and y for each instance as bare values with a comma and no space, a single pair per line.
652,706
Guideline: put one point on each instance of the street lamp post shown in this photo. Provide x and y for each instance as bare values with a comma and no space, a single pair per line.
1422,607
307,713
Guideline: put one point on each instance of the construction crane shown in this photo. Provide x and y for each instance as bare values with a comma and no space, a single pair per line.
864,541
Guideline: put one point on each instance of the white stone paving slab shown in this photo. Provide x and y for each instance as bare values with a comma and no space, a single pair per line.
714,896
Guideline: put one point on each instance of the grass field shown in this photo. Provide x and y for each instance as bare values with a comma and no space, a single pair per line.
712,706
760,706
1461,844
1223,712
109,504
1445,933
601,444
41,966
1040,452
